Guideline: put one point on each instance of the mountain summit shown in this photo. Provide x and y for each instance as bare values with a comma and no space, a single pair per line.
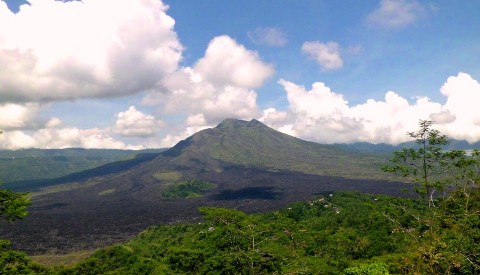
253,144
236,141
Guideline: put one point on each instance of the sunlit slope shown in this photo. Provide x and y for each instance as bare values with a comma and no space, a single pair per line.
254,144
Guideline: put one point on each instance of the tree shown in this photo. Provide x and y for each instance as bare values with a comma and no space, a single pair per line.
13,206
427,166
367,269
447,228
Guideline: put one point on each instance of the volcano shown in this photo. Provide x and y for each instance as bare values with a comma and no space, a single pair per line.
248,166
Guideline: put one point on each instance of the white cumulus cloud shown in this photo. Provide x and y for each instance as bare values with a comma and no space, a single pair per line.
17,116
220,85
55,50
228,63
327,55
190,94
133,123
463,96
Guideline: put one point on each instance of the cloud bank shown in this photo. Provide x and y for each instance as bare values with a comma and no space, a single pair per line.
324,116
54,50
18,116
52,138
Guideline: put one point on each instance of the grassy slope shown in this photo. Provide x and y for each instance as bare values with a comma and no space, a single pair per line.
186,189
70,259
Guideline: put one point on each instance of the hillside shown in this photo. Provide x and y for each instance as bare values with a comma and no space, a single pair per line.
238,164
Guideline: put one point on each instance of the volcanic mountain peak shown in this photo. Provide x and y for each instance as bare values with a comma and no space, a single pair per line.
235,123
252,143
226,134
233,134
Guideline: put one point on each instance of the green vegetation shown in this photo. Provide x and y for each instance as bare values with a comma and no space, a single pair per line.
186,189
37,164
13,206
168,176
437,232
349,233
447,229
325,235
368,269
14,262
428,167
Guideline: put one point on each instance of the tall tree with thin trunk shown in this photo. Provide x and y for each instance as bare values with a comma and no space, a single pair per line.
427,165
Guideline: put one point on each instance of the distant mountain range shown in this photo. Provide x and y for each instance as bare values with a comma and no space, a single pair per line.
388,148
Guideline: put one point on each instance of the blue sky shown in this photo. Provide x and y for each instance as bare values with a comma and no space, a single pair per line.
146,74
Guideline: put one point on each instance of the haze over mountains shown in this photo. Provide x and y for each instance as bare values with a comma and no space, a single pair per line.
251,166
